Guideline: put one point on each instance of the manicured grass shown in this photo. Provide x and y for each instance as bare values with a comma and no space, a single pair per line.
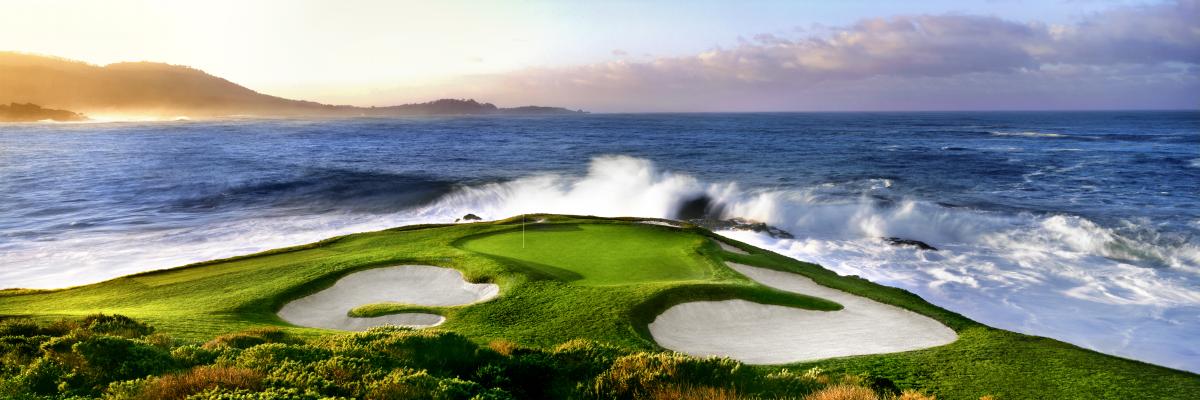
591,278
594,254
540,306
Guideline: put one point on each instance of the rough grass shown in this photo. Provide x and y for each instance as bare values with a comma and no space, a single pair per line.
843,392
550,297
181,385
676,392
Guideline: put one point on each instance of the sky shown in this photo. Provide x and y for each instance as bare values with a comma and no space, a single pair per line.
620,56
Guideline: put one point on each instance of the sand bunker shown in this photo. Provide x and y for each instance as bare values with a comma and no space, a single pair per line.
728,247
410,284
659,223
766,334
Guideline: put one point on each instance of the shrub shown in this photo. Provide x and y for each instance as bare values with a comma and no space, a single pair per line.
159,340
265,394
788,383
250,338
531,375
442,353
638,374
73,358
125,390
191,355
585,358
43,376
915,395
405,384
114,325
883,386
267,356
180,386
104,359
19,327
677,392
503,346
843,392
16,352
336,376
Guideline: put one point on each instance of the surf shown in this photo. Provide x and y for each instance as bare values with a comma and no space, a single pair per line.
1046,274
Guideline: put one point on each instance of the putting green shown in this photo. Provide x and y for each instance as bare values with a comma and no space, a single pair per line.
597,254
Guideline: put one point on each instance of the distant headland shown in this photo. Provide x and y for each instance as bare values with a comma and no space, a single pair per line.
157,89
27,112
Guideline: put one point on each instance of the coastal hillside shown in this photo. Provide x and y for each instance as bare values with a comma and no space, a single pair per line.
538,306
148,88
16,112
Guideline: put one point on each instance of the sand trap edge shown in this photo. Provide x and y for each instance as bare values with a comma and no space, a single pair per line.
730,248
757,333
423,285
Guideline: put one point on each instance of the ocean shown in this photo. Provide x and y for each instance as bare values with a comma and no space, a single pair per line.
1080,226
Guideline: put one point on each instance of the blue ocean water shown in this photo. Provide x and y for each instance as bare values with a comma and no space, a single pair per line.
1082,226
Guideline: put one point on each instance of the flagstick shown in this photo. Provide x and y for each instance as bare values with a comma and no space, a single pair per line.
522,231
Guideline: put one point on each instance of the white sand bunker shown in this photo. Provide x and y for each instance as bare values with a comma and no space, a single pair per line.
766,334
729,247
410,284
659,223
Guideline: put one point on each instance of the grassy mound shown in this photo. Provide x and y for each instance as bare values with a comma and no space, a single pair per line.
595,279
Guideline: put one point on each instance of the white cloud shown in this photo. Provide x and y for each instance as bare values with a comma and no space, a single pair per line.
1130,57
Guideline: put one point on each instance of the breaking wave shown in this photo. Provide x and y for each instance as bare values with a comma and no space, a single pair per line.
627,186
1028,134
1044,274
1125,289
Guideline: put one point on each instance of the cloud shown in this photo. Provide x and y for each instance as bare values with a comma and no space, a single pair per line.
1127,57
1141,34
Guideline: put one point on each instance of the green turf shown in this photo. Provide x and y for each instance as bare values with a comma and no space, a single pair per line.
592,254
599,279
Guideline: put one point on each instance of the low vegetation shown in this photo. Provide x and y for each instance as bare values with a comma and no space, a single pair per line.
556,330
118,358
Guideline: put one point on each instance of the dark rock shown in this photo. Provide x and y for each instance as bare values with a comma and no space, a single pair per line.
739,224
895,241
471,217
701,207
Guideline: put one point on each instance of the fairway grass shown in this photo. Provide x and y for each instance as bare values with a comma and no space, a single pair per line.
592,278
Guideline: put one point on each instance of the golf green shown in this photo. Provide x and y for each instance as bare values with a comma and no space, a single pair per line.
596,255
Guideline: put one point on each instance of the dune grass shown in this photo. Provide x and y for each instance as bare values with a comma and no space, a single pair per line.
597,279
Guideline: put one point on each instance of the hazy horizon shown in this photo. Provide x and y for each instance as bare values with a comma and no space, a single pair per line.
663,57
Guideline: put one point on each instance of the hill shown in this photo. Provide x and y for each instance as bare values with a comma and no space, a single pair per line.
572,319
147,88
32,112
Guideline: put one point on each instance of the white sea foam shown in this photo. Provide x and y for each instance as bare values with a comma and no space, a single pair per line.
1059,276
1028,134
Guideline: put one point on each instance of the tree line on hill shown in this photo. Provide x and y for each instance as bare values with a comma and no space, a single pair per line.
157,89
